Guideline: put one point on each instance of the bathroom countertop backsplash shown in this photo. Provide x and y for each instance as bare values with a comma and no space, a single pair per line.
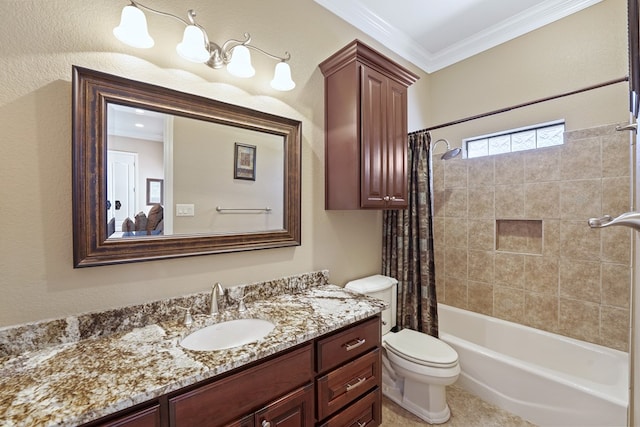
66,372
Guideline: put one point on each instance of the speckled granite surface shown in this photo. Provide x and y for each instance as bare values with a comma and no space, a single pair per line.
68,374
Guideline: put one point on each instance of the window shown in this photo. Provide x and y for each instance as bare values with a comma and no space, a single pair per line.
527,138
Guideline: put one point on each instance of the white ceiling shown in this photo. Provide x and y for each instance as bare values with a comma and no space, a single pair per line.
433,34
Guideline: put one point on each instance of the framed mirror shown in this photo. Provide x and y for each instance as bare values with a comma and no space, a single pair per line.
159,173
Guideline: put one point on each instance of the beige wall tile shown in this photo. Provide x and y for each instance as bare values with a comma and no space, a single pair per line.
455,173
542,200
541,275
580,280
615,154
581,159
481,266
456,292
455,232
542,165
578,241
614,330
438,202
509,201
616,198
541,311
438,232
455,202
509,169
480,298
550,237
508,304
509,270
480,172
455,263
616,282
579,319
581,199
481,202
616,245
481,234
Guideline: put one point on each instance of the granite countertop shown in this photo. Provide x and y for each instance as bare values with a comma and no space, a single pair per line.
75,382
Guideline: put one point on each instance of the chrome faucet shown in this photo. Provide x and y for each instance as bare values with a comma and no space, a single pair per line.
216,293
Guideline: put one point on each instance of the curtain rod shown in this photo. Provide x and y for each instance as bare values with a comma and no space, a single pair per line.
526,104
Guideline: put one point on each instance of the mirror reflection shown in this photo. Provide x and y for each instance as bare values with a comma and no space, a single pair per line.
169,174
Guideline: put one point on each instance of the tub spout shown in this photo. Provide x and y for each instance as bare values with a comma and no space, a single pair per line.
628,219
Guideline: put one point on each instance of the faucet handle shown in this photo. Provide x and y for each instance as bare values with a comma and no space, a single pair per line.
188,319
242,307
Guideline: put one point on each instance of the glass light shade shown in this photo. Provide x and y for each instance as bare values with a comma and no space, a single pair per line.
192,47
240,65
282,77
133,28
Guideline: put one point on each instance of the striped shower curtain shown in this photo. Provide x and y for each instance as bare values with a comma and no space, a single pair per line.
407,252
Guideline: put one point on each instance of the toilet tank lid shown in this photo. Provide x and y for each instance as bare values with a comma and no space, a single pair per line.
369,284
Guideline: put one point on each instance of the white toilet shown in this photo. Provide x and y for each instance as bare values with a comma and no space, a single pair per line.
416,367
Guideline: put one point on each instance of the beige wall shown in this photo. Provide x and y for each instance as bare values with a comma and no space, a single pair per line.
41,40
577,283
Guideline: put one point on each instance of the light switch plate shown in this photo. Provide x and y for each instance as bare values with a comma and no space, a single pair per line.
185,210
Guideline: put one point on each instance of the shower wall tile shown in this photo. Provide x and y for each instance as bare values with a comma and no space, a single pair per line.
580,280
480,172
455,232
581,199
616,281
615,195
481,202
541,311
480,297
509,270
508,304
577,281
541,274
616,245
613,332
509,201
542,165
581,159
578,241
455,173
480,267
481,234
509,169
455,202
542,200
579,319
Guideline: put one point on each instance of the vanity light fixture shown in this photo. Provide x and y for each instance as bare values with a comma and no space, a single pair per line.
197,47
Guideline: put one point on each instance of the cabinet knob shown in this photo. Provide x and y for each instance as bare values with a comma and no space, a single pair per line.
265,423
393,198
386,198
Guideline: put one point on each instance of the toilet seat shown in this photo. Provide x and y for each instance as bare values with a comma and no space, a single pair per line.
421,348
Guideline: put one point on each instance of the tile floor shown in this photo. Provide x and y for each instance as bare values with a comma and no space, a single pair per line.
467,410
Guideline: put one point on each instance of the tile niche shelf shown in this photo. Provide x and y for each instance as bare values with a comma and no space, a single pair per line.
519,235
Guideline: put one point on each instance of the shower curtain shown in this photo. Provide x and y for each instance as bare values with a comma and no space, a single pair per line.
407,250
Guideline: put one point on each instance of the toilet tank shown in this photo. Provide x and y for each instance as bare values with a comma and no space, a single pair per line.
383,288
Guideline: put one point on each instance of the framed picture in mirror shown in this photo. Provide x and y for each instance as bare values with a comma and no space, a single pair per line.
244,160
154,191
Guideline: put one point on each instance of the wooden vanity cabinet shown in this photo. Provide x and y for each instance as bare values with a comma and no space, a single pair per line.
365,129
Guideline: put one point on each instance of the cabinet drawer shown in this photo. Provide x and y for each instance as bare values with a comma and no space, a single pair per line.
344,385
365,412
228,399
293,410
343,346
149,417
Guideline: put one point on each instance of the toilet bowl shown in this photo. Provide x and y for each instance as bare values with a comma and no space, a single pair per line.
416,367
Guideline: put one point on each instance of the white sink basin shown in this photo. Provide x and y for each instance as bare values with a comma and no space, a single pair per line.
229,334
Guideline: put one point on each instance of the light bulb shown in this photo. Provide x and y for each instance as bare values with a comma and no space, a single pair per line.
192,47
282,77
240,64
133,28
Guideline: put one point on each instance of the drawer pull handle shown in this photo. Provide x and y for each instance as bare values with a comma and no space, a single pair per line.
356,384
351,345
361,424
265,423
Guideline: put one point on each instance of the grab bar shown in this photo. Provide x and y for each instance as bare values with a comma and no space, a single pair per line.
221,209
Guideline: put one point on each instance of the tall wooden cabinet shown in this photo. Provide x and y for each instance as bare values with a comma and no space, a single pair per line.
366,129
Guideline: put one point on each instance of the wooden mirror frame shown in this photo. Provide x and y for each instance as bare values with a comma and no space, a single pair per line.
92,91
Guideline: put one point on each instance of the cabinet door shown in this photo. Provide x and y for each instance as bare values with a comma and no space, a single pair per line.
396,173
373,185
293,410
149,417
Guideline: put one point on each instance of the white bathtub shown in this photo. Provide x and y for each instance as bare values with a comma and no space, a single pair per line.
547,379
